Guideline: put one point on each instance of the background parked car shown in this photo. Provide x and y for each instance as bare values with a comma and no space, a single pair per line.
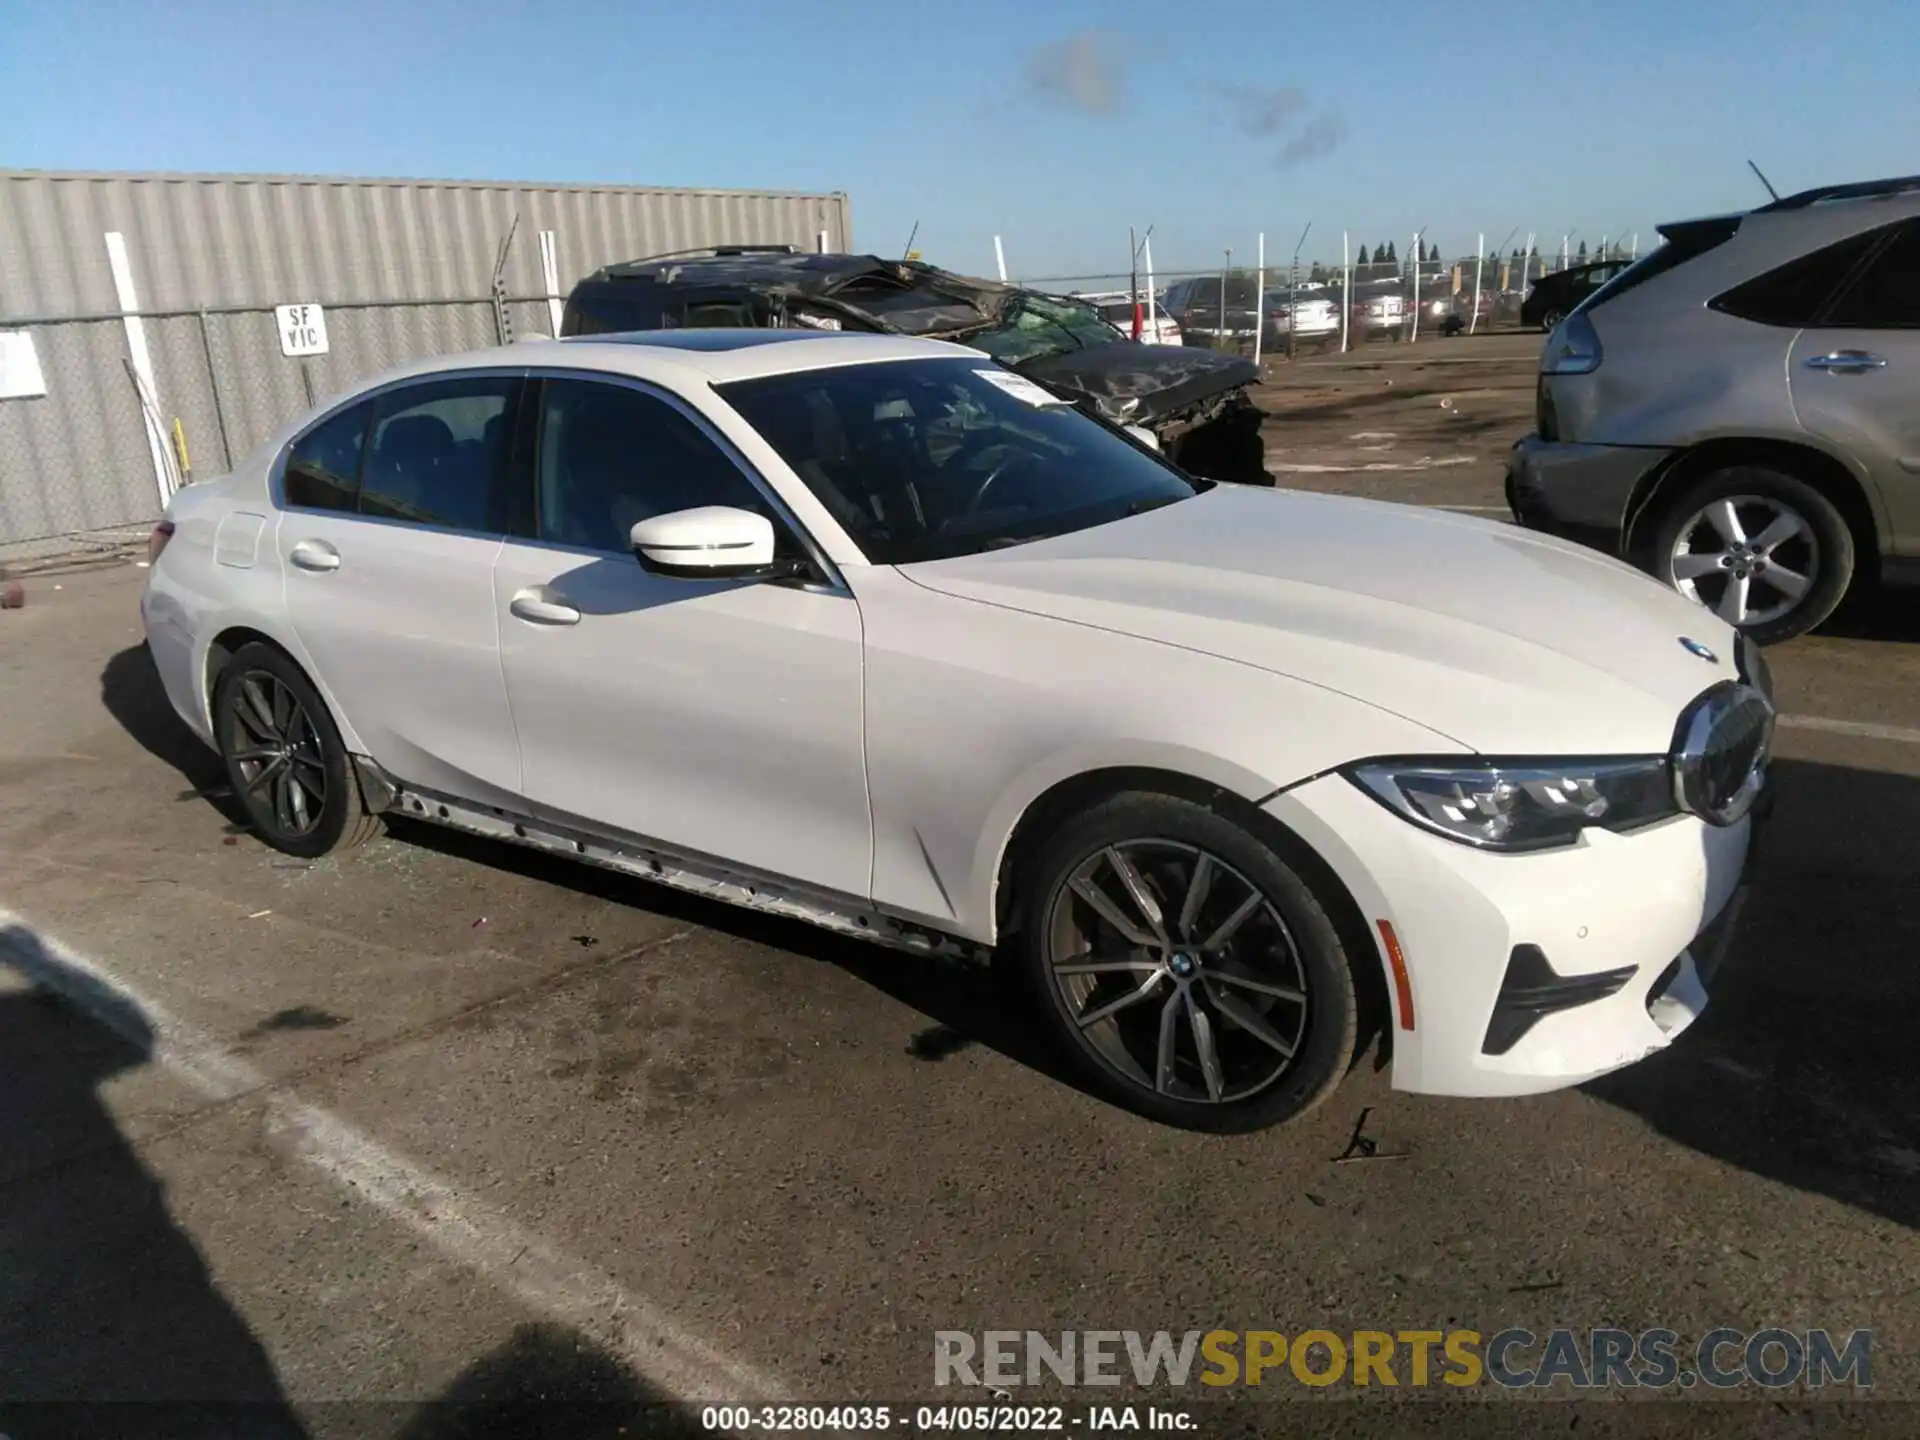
1738,413
1209,318
1553,297
1305,316
1116,307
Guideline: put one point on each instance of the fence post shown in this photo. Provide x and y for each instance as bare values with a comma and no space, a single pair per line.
213,388
1346,289
1479,259
1259,294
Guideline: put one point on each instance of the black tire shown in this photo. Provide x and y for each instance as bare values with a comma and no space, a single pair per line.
1826,547
1551,319
1322,1019
292,749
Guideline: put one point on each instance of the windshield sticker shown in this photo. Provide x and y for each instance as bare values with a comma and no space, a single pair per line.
1020,387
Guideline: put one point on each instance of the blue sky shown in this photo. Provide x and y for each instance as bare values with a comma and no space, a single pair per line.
1054,123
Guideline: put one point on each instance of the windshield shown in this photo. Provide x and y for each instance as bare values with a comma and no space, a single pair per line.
1036,326
925,459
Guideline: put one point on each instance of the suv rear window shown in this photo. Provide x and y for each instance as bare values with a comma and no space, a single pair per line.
1794,294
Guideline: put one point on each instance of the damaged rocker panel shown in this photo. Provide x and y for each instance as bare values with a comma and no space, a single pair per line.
710,878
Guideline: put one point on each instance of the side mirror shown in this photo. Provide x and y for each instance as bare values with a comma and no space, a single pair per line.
1145,436
710,542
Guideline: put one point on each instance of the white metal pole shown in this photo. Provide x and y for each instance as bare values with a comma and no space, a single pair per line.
1566,251
1526,263
1603,246
1414,334
1260,294
1479,259
1346,289
1146,251
122,270
1634,253
1000,259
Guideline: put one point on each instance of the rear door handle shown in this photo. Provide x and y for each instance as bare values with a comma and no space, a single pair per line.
539,606
1847,362
316,555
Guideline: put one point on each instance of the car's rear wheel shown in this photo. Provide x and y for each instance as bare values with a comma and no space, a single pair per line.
284,758
1551,320
1762,549
1192,975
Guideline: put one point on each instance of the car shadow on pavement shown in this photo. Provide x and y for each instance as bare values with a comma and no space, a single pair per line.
548,1382
110,1320
103,1297
131,691
1802,1069
964,1003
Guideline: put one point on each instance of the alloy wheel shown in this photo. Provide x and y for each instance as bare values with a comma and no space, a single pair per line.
272,742
1177,971
1748,558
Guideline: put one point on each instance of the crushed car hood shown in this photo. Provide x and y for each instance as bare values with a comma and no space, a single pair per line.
1504,641
1139,384
1133,384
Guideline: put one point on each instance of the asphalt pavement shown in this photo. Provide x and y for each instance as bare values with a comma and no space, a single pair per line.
441,1120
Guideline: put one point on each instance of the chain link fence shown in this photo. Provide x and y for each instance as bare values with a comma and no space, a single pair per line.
1373,294
89,463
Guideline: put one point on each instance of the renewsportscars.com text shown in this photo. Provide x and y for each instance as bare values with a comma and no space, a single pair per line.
1599,1359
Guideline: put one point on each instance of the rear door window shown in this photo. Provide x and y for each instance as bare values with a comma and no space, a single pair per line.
439,454
1886,296
323,470
1794,294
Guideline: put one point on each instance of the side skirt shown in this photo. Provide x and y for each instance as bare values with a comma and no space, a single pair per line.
712,879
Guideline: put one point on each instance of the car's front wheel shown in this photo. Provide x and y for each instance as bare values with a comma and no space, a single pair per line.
284,757
1192,975
1762,549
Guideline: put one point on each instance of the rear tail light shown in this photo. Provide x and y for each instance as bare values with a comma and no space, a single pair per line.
157,541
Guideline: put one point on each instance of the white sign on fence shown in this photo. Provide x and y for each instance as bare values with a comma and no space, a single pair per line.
20,377
303,329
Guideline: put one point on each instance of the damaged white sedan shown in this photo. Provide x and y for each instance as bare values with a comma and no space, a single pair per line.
876,633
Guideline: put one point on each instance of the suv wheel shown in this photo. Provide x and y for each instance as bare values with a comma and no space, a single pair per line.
1188,971
1551,320
1762,549
284,757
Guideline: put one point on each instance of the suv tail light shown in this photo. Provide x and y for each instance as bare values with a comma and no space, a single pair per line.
157,541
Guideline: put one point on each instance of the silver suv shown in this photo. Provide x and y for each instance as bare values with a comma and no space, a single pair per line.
1739,412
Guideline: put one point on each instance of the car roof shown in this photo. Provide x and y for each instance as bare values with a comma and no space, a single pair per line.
687,357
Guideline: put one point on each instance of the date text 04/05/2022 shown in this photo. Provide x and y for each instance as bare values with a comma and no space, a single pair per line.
935,1419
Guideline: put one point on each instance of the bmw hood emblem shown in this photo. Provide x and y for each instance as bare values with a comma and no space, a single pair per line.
1694,647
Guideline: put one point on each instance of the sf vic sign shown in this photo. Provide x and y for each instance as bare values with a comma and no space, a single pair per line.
303,329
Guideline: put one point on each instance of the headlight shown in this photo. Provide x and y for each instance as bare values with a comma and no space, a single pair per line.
1521,804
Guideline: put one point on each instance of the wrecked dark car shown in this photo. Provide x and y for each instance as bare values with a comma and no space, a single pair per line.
1192,400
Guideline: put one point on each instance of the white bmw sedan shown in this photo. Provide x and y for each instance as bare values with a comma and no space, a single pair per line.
875,633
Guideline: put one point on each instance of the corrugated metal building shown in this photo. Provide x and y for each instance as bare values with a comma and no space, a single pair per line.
402,268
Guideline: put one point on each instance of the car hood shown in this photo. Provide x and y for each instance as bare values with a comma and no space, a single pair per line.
1504,641
1140,384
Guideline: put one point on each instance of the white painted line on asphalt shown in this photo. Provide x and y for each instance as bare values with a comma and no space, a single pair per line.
1425,462
462,1228
1899,734
1472,509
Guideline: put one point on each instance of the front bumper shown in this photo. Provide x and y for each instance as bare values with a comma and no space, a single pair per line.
1631,925
1577,492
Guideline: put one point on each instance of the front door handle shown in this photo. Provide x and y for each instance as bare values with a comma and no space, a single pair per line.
539,606
1847,362
315,555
